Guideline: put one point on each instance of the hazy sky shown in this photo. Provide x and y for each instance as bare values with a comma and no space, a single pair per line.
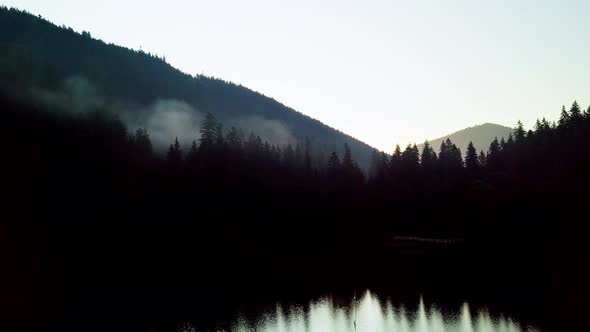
384,71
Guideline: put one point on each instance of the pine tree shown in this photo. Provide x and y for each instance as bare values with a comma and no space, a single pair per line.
471,159
493,156
347,162
564,119
443,153
538,126
234,139
374,165
530,134
333,165
455,157
410,159
395,161
378,167
174,155
142,143
510,141
519,133
502,144
449,157
546,124
209,128
481,160
428,157
575,113
350,169
192,154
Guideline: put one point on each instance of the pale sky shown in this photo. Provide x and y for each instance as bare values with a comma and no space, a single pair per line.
384,71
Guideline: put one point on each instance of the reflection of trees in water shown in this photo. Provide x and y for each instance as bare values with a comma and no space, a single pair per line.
372,315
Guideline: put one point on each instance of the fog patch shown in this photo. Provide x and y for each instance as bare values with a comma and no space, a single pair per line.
76,94
164,119
167,119
273,131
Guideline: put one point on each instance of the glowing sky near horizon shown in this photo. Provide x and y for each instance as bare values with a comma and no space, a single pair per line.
384,71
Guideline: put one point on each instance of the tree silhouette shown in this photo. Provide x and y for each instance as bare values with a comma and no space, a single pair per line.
519,133
450,158
143,145
209,130
350,169
493,158
234,139
428,158
395,163
192,155
410,159
564,119
333,165
575,113
482,159
471,158
174,155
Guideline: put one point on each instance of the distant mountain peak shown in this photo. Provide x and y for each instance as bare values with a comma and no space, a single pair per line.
481,135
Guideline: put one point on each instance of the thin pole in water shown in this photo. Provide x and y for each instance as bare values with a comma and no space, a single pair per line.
354,309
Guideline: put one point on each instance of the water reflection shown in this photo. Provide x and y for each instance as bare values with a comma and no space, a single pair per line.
369,314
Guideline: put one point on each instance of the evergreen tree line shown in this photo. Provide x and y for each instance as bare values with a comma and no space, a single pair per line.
515,159
541,151
230,151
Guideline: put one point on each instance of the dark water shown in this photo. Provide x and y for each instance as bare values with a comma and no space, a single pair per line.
401,289
367,313
414,287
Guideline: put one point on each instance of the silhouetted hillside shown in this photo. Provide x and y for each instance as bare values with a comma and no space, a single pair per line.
480,135
37,53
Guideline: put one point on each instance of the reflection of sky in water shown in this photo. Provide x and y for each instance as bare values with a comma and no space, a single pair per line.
371,315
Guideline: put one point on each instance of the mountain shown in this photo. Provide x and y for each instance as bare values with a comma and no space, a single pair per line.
480,135
38,56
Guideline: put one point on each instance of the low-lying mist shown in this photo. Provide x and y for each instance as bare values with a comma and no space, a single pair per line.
75,95
164,119
269,130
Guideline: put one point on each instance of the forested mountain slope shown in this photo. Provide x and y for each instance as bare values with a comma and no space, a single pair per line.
37,53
